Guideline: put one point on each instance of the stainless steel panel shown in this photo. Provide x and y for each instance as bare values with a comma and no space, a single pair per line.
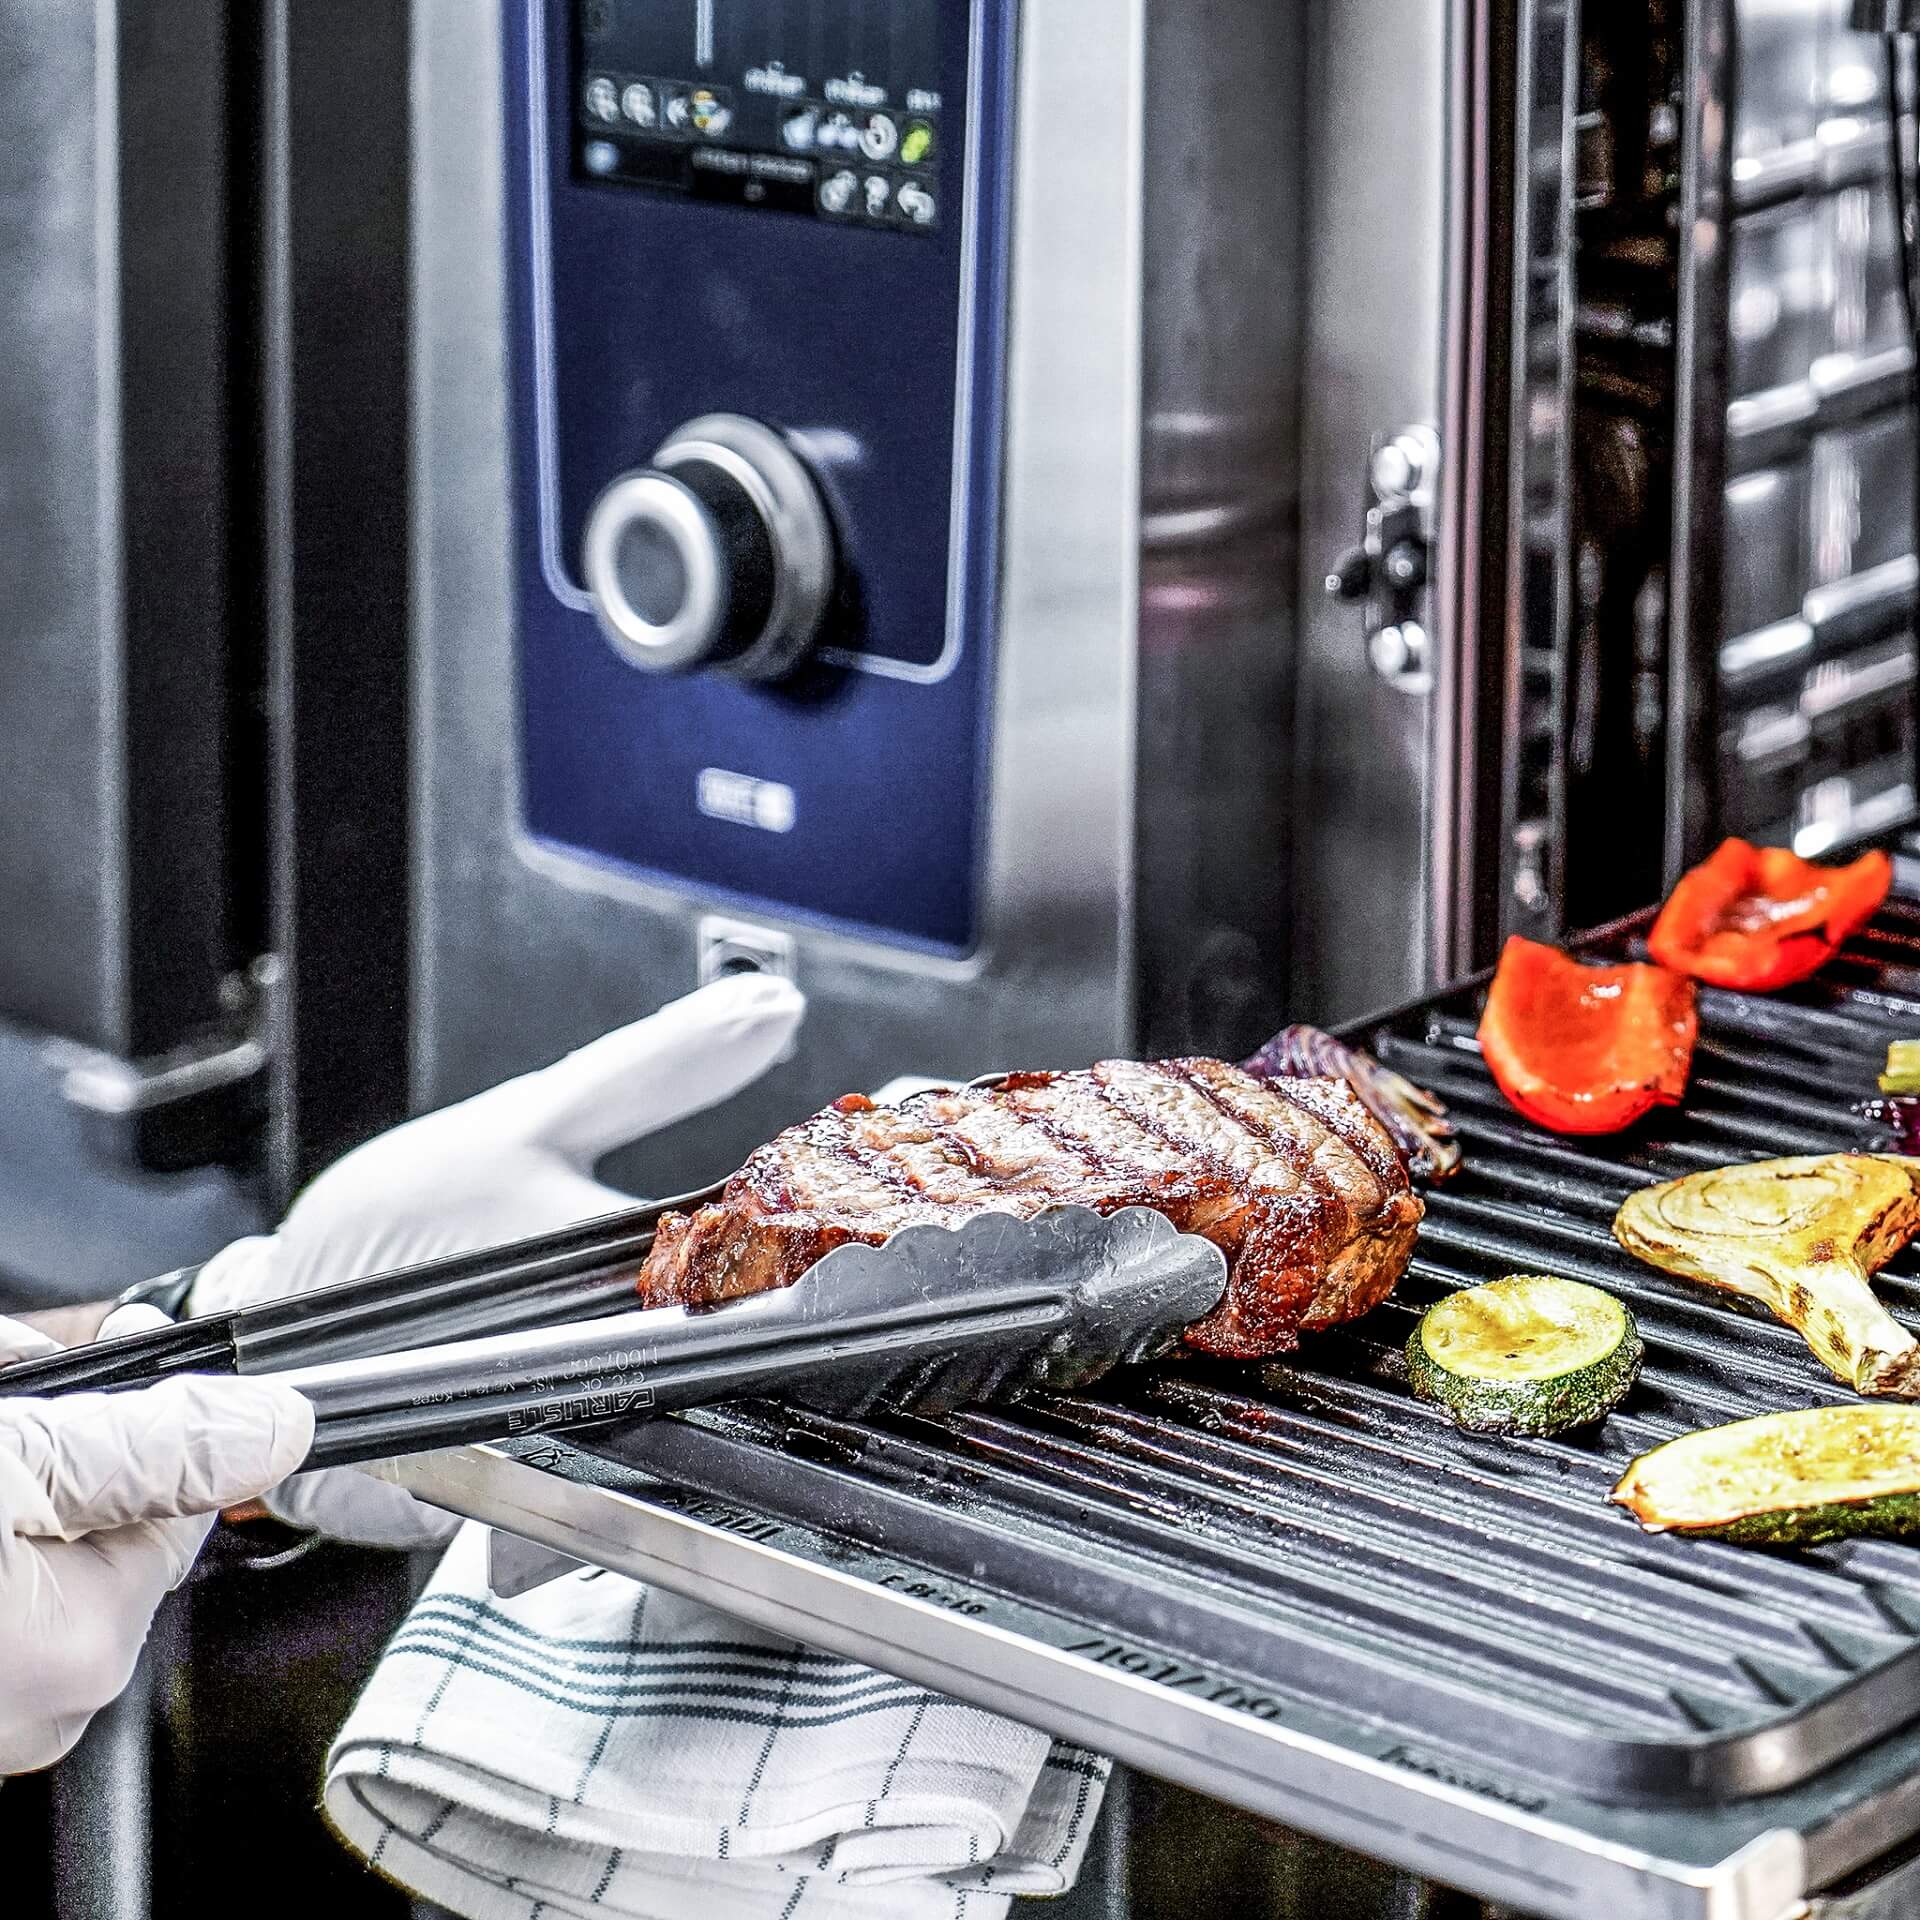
113,574
1777,76
71,1229
1860,498
1375,224
1777,307
1766,542
1225,273
57,575
1869,313
1852,76
518,956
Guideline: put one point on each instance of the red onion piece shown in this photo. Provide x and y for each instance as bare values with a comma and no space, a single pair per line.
1417,1121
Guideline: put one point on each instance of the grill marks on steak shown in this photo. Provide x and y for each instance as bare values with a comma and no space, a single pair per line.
1294,1180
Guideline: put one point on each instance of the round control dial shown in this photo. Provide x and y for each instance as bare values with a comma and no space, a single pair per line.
719,554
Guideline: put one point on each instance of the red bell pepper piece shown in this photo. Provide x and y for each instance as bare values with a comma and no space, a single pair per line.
1586,1049
1756,918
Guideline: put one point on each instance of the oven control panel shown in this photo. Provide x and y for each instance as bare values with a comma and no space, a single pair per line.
757,306
828,110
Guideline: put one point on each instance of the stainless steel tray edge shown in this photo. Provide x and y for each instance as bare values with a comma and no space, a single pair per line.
1481,1836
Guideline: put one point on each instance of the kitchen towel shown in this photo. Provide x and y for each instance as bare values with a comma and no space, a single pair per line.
599,1747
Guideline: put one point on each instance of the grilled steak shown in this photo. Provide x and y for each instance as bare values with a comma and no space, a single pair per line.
1294,1180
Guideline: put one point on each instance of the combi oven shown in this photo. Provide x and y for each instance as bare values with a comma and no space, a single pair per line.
1070,526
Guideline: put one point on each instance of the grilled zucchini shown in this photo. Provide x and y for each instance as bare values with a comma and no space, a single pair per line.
1785,1479
1527,1354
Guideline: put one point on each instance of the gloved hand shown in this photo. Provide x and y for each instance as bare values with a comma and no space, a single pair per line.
23,1343
104,1501
513,1161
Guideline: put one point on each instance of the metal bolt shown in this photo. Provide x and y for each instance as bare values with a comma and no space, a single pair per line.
1399,467
1392,471
1399,652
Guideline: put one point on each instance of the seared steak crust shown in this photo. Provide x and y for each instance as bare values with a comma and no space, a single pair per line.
1294,1180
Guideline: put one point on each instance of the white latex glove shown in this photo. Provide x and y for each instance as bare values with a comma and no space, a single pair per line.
513,1161
104,1501
24,1343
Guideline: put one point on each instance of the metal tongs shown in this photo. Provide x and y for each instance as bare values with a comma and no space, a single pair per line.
571,1274
935,1317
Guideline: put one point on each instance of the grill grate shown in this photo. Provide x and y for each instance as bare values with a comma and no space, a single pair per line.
1312,1527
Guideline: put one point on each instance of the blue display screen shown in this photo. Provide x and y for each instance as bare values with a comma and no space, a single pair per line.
823,107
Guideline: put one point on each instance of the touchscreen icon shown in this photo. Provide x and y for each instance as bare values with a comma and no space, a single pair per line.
709,113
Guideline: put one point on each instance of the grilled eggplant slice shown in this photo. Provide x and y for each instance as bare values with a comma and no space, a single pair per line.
1785,1479
1527,1354
1800,1236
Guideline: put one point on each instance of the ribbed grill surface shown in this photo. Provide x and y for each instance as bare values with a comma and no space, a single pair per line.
1311,1526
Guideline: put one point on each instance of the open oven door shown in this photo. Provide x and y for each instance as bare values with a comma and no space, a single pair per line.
1436,453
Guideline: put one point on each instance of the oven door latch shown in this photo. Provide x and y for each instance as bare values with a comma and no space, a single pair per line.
1388,570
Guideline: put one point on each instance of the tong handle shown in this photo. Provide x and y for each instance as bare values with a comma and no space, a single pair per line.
634,1366
569,1274
591,1267
131,1360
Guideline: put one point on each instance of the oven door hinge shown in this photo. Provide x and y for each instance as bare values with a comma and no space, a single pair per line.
1389,570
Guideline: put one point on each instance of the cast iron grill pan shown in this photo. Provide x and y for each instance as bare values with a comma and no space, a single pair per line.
1312,1527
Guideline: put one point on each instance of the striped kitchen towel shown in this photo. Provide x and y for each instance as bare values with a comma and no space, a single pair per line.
599,1747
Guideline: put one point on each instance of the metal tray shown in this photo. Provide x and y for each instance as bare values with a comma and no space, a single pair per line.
1302,1551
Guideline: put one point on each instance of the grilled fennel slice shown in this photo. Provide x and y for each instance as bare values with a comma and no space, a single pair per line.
1527,1354
1785,1479
1800,1236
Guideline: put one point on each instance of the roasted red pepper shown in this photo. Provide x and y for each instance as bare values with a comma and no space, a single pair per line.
1586,1049
1760,917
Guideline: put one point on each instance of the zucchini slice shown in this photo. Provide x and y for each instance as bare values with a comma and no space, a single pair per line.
1903,1068
1784,1479
1527,1354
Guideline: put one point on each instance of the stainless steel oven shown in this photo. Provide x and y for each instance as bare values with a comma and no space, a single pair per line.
1069,525
1079,527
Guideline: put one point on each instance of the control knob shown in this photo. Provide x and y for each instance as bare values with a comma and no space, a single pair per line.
718,554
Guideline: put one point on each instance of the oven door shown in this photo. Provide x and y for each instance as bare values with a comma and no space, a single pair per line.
1433,621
